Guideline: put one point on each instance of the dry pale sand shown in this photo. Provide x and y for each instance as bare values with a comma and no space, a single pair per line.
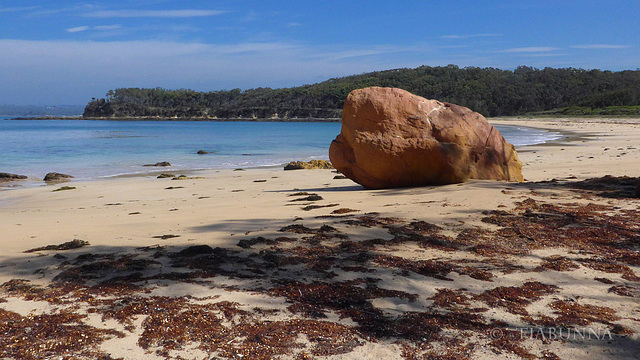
232,264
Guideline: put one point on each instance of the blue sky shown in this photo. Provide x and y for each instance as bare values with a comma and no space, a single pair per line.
66,52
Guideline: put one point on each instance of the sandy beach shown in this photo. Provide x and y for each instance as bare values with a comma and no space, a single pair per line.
266,263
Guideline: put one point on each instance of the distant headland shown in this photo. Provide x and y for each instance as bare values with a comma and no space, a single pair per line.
492,92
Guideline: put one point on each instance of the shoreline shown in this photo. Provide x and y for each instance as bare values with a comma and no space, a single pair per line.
146,172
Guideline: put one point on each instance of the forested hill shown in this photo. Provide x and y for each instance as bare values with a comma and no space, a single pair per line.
492,92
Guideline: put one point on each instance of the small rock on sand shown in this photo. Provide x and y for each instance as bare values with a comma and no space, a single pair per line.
54,176
313,164
162,163
4,177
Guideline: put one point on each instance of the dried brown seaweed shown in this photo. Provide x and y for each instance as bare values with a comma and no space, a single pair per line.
515,298
60,334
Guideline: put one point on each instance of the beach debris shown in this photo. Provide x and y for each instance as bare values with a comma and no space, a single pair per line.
203,152
340,177
301,193
344,211
135,213
609,186
313,164
5,177
69,245
61,334
174,187
159,164
515,298
391,138
297,228
165,176
311,197
342,290
54,176
166,236
64,188
259,181
313,207
247,243
185,177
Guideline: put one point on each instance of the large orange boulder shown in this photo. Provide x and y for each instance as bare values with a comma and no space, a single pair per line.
392,138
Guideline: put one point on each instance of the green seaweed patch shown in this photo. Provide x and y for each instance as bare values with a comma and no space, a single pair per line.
64,188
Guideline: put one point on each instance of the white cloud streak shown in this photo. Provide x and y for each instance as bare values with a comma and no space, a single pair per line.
187,13
18,9
75,71
600,46
78,29
99,28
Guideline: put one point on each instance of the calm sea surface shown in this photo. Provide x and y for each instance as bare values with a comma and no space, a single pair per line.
90,149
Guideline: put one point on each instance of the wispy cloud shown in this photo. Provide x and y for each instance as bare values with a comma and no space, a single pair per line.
186,13
468,36
18,9
532,49
78,29
99,28
32,66
600,46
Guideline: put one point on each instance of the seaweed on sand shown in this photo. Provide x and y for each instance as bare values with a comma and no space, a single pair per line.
61,334
69,245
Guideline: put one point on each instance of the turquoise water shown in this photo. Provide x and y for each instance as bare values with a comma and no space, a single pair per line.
91,149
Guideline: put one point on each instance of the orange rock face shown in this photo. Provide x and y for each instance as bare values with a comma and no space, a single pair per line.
391,138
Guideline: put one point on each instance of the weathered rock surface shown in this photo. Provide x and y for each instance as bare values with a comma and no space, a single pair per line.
313,164
392,138
4,177
163,163
54,176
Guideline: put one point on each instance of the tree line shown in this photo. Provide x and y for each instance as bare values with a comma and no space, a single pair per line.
489,91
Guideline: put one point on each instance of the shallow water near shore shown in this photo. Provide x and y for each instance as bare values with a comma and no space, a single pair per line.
90,149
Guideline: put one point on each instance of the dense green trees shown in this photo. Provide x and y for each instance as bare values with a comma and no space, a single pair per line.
492,92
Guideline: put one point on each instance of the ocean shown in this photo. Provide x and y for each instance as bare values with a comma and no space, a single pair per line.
92,149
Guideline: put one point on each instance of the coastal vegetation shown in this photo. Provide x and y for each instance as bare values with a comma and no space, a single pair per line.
489,91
